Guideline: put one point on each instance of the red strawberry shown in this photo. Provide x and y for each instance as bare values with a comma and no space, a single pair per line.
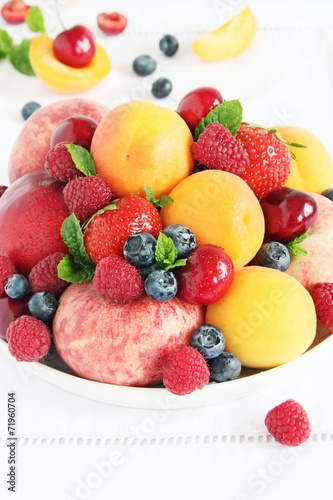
217,148
270,159
107,232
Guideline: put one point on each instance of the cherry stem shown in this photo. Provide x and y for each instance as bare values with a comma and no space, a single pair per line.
58,15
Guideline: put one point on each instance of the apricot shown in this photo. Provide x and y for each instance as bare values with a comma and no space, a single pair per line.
63,78
228,40
313,168
141,144
267,317
221,209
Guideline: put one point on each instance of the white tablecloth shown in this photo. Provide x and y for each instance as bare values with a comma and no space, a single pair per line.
72,447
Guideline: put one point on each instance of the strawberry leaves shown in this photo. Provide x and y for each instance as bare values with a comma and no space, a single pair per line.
229,114
78,267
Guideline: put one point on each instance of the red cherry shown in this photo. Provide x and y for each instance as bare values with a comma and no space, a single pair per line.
78,129
288,213
75,47
206,276
197,104
14,12
2,190
112,24
11,309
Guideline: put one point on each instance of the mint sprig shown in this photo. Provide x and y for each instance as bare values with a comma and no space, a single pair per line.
82,159
294,246
79,267
166,253
157,202
229,114
18,54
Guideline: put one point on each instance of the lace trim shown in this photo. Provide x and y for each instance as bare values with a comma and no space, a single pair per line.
318,437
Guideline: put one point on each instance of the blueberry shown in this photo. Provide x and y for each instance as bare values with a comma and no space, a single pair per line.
328,193
42,305
168,45
29,108
161,88
161,285
139,249
144,65
17,286
225,367
182,237
209,340
145,271
274,255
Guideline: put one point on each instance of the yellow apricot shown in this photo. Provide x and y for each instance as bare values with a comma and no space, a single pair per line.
313,168
267,317
229,40
141,144
220,208
63,78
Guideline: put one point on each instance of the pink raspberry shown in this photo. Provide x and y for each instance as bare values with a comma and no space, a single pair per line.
117,280
322,295
28,338
185,371
85,195
7,268
44,277
218,149
288,423
59,163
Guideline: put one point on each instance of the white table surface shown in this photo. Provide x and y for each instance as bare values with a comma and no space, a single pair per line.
72,447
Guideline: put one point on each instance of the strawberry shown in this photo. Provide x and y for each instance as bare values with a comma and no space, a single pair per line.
217,148
270,159
108,230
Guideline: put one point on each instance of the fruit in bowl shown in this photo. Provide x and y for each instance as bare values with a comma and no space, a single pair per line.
127,313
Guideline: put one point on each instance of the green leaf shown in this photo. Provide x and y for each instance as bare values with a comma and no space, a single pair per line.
6,44
166,253
35,20
229,114
157,202
82,159
19,57
71,271
72,235
294,246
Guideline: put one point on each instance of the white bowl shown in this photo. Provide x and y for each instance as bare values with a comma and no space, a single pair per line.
55,372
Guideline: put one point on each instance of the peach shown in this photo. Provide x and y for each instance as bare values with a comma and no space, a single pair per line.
312,170
141,144
317,265
221,209
267,317
37,130
122,344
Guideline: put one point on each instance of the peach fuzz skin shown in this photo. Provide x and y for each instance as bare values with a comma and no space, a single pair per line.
36,133
122,344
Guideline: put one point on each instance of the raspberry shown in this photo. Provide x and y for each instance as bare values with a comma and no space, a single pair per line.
217,148
7,268
28,338
288,423
185,371
85,195
117,280
322,295
44,277
59,164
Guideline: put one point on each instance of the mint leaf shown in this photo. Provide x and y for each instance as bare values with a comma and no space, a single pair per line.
157,202
82,159
229,114
35,20
72,235
6,44
294,245
19,57
166,253
69,270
